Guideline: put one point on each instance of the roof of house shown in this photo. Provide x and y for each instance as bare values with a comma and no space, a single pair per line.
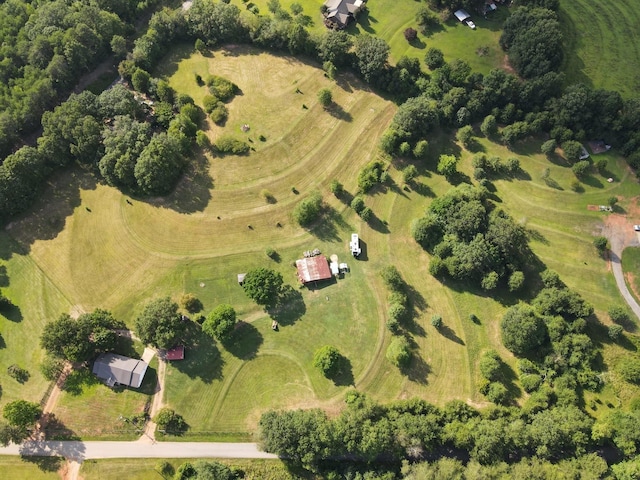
116,368
175,353
313,268
340,11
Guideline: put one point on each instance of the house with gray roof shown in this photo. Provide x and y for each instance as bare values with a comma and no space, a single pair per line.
339,13
117,369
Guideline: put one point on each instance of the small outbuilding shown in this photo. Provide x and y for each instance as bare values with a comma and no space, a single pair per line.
175,353
312,269
462,15
117,369
241,278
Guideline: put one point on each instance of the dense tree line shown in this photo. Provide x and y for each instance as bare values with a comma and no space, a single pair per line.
414,429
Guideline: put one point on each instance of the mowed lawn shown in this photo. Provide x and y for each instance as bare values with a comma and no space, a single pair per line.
102,249
602,44
34,468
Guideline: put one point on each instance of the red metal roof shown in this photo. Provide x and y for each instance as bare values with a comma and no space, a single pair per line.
176,353
313,268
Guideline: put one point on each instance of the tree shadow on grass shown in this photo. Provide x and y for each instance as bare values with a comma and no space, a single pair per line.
418,370
45,464
344,377
592,181
244,342
3,344
12,312
76,381
290,307
378,225
54,429
450,334
338,112
202,359
422,189
4,277
328,227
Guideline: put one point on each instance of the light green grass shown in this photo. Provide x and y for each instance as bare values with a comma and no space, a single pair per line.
35,468
97,411
602,48
145,469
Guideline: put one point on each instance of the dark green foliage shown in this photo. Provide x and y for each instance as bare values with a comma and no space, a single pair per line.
328,360
409,173
221,322
18,373
497,393
427,231
392,278
190,303
619,314
560,431
489,281
581,168
169,421
302,436
414,119
533,41
421,149
366,214
522,330
614,332
561,301
325,97
160,324
21,413
489,126
159,166
357,204
572,151
426,19
620,427
434,58
516,280
436,320
629,369
399,352
336,188
370,175
221,88
398,312
548,147
601,243
80,340
491,365
334,47
308,210
51,367
263,285
371,57
530,382
227,144
448,166
465,136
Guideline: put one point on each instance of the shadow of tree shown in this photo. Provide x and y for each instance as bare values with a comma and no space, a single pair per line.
338,112
4,277
244,342
422,189
378,225
344,377
54,429
448,333
202,359
418,370
327,228
289,308
77,380
45,464
12,312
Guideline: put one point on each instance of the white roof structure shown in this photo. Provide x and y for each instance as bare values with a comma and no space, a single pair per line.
354,245
114,368
461,15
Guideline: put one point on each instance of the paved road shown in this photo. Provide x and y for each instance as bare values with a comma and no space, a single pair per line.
80,451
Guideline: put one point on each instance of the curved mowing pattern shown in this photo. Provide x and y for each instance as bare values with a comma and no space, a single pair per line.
603,44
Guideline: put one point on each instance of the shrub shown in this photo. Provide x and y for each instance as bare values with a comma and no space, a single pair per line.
271,253
165,469
491,365
629,369
308,209
190,303
410,34
489,281
221,322
18,373
530,382
465,135
497,393
619,314
409,173
221,87
370,175
328,360
576,186
421,149
447,166
399,352
357,204
366,214
392,278
489,126
572,150
434,58
398,312
219,114
601,243
601,165
169,421
325,97
336,188
436,321
516,280
614,332
612,201
548,147
51,368
202,140
268,196
581,168
393,326
437,266
227,144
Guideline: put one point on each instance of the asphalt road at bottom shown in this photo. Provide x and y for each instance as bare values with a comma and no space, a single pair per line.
80,451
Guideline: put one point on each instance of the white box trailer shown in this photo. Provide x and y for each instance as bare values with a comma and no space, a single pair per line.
354,245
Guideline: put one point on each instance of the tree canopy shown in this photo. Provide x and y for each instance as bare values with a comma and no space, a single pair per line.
220,322
263,285
522,330
160,324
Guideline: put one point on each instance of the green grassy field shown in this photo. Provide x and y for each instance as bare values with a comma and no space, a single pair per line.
85,246
32,468
145,469
631,267
601,44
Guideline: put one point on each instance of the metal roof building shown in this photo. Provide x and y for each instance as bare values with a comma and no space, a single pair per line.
312,269
118,369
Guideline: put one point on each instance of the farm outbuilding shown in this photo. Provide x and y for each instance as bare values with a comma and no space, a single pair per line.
312,269
117,369
462,15
340,12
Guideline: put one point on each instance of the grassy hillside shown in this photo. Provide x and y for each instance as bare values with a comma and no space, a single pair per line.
602,44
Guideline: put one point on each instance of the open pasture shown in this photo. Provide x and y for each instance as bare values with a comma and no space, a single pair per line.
102,249
602,48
